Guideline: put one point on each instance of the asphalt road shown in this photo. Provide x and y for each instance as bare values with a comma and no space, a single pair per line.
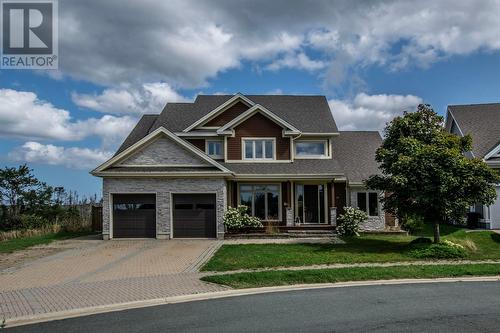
435,307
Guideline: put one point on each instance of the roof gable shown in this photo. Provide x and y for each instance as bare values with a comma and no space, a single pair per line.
257,108
482,122
131,151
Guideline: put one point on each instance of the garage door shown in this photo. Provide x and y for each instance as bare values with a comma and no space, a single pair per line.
495,212
194,216
134,215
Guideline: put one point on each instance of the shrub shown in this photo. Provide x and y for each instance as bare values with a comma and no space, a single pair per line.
31,221
349,221
413,224
421,240
237,218
443,250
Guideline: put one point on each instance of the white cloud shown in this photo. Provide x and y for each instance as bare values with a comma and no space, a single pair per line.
24,115
72,157
296,61
147,98
371,112
187,42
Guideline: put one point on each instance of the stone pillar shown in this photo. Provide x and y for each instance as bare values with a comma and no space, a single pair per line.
289,217
333,216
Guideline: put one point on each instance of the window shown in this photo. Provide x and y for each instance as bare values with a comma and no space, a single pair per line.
214,149
258,149
262,200
368,202
311,149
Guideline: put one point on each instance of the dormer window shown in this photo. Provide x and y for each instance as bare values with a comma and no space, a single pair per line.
259,149
215,149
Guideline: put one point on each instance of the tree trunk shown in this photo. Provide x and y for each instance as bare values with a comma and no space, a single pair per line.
437,237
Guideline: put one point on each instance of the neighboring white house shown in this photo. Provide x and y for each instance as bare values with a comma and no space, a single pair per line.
482,122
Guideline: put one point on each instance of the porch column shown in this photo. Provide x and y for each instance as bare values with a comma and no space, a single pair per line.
333,216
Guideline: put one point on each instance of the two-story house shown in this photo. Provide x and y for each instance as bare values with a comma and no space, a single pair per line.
281,156
482,123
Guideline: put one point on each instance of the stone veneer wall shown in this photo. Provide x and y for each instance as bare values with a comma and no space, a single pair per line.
163,187
374,222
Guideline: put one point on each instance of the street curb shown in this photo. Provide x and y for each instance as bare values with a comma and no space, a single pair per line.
228,293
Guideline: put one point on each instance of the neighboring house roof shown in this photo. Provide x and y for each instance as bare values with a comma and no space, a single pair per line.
356,151
482,122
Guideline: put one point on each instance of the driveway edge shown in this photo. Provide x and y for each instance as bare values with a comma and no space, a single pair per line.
228,293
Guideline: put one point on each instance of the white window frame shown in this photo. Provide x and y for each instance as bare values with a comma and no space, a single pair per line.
367,211
251,210
221,156
324,141
243,149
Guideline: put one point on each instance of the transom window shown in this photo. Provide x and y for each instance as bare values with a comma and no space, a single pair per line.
311,148
368,202
214,148
259,149
262,200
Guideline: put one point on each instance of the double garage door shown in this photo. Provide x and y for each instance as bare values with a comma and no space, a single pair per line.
134,216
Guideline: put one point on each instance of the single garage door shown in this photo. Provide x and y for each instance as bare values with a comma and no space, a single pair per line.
134,215
194,216
495,212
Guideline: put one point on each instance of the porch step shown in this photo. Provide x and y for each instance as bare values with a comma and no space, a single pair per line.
305,233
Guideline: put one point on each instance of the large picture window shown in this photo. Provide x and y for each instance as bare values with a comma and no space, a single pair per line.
311,149
258,149
368,202
262,200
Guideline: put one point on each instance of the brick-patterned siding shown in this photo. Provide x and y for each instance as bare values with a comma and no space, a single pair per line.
258,126
228,115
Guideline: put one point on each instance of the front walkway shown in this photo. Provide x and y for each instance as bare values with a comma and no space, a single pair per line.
97,273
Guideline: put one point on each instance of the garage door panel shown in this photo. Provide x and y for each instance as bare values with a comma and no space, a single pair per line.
134,215
194,216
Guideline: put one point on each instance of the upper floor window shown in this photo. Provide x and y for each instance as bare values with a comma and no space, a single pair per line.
215,149
311,149
259,149
368,202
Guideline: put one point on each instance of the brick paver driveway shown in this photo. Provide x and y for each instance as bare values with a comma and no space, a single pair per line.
97,273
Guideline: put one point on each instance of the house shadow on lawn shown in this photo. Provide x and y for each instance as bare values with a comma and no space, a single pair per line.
363,245
495,237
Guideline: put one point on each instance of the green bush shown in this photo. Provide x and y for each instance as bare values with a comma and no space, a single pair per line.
30,221
413,224
237,219
349,221
444,250
421,240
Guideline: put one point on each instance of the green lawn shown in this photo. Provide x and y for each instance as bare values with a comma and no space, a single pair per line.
364,249
288,277
12,245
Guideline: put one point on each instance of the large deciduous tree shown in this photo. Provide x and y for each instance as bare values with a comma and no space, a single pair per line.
426,173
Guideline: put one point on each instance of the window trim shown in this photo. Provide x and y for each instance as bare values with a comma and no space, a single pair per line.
263,159
251,209
326,143
221,156
367,211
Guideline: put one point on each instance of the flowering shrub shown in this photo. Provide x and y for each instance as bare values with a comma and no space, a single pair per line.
349,221
237,218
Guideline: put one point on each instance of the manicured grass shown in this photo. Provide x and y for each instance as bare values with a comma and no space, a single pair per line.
364,249
288,277
17,244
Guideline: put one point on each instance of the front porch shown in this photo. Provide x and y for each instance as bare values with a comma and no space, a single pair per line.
288,205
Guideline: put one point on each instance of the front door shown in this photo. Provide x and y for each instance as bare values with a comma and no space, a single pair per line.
310,203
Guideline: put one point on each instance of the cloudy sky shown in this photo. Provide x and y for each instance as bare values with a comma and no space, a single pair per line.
120,59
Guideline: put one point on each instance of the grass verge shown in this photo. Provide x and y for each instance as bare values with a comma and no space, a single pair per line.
290,277
17,244
364,249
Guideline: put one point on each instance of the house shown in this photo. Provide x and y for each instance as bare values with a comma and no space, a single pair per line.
482,122
281,156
